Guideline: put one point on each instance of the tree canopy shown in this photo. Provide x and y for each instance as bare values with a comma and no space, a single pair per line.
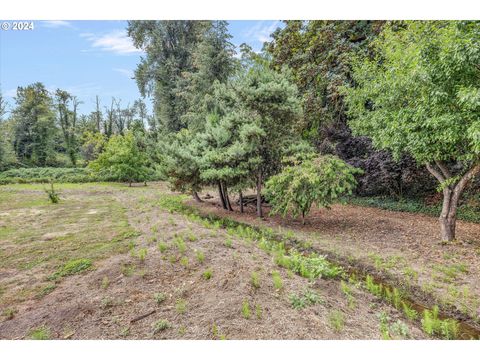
420,95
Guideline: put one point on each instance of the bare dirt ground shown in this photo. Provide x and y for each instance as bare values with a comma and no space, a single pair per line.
152,274
396,243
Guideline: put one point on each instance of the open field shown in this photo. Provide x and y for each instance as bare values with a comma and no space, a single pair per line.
93,265
196,281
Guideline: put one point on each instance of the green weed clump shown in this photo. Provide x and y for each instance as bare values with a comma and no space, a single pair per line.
71,268
433,325
307,298
180,244
160,297
371,286
162,246
160,326
53,195
246,309
184,261
277,280
181,306
336,320
347,291
255,280
207,274
200,256
142,254
41,333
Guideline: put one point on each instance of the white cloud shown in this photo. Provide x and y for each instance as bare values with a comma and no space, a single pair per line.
54,24
261,31
128,73
115,41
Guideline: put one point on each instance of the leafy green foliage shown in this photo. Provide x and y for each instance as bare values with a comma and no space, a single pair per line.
317,52
419,95
122,160
433,325
321,181
306,298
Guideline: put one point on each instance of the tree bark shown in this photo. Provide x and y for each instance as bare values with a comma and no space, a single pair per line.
451,196
240,195
227,199
220,195
196,197
259,194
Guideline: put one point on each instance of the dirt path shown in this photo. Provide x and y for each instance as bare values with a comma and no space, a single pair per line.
101,303
401,244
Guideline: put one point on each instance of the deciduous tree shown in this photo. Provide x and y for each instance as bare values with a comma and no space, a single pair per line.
420,96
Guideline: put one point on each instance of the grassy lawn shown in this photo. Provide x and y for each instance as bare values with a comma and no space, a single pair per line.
39,239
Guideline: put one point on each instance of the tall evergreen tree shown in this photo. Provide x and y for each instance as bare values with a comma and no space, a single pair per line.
34,125
169,46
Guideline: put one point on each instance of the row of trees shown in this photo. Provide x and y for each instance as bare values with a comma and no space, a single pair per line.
408,89
45,129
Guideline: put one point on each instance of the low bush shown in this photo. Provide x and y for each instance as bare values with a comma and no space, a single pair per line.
44,175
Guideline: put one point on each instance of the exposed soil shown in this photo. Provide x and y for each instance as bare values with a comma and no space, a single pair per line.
101,303
398,245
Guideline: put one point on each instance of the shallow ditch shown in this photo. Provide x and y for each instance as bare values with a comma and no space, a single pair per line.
414,297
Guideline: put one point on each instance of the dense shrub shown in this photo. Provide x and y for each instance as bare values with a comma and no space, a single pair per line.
46,174
58,175
319,180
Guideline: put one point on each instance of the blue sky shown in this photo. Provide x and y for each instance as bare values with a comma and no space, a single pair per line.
88,58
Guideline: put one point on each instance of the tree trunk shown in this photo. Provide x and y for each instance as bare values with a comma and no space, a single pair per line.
451,196
448,216
220,195
259,194
227,199
196,197
241,200
303,217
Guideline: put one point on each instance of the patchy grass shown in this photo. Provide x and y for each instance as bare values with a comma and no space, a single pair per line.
87,225
71,268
